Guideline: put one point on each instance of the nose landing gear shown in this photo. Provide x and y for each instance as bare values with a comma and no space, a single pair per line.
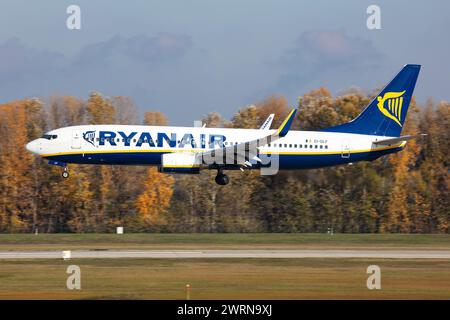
65,173
222,179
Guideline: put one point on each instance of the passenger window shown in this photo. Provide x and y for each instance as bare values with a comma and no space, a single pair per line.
321,147
290,145
326,147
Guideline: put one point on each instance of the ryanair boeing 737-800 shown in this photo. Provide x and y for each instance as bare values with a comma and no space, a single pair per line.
374,133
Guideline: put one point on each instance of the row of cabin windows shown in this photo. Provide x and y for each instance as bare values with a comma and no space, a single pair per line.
299,146
128,140
123,140
140,141
117,140
135,140
279,145
290,145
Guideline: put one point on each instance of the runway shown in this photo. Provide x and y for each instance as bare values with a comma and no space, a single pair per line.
194,254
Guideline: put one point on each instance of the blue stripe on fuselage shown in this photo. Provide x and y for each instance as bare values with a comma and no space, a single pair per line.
286,161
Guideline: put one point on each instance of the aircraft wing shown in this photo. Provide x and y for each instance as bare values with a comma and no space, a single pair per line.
386,142
243,152
266,125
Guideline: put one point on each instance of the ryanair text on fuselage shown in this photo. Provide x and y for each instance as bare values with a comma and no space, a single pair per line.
140,139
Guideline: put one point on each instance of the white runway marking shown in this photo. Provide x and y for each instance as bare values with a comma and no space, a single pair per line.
188,254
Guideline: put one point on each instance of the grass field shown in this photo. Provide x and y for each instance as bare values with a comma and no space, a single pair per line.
222,241
224,278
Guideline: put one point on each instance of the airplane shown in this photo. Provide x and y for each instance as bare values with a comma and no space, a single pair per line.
374,133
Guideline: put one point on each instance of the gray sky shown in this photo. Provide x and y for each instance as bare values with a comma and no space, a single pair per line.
188,58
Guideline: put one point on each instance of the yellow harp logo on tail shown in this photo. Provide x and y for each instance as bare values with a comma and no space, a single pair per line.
391,105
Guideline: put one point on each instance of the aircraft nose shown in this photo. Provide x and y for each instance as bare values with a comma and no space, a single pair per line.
34,146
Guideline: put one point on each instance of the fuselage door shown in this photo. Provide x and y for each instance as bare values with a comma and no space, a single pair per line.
76,139
345,151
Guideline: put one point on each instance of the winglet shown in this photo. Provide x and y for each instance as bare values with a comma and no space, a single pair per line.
266,125
286,125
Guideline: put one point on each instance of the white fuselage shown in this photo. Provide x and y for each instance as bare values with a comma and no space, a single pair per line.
144,145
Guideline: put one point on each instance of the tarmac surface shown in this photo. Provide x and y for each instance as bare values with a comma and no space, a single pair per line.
189,254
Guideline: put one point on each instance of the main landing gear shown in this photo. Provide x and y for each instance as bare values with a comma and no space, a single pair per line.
221,178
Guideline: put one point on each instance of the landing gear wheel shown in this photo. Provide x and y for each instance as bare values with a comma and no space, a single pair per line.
222,179
65,173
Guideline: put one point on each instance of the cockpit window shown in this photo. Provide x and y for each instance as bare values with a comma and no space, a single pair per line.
50,136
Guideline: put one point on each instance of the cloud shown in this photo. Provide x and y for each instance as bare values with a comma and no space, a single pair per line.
18,60
316,52
137,49
116,66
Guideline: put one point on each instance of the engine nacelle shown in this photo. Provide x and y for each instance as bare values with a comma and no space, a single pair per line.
180,162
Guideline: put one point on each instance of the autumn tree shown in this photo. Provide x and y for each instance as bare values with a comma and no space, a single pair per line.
155,199
100,109
406,192
64,111
17,196
155,118
157,190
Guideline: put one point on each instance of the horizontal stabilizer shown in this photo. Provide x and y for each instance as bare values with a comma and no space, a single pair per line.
386,142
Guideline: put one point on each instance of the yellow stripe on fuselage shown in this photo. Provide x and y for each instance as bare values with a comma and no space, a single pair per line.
117,151
202,150
181,166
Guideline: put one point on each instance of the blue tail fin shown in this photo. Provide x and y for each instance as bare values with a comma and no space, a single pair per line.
386,113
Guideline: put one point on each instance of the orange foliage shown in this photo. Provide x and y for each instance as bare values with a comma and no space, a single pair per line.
155,199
